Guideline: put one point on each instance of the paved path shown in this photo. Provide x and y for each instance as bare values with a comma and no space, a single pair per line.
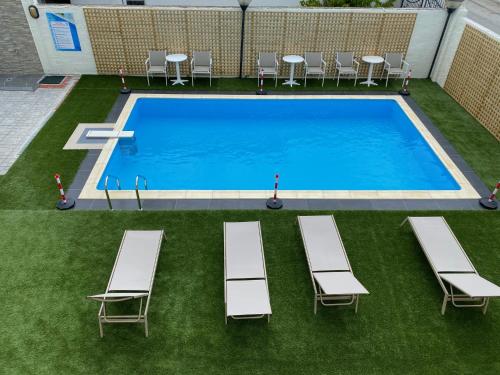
22,115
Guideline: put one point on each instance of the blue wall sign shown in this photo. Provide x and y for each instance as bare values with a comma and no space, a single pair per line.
63,29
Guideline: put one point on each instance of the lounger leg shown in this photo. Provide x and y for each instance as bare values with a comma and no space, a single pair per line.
486,305
443,307
147,77
276,80
323,82
356,307
315,304
146,330
305,80
355,79
338,79
101,332
268,319
387,80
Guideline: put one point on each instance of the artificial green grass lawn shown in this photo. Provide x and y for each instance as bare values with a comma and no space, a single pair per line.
52,260
30,182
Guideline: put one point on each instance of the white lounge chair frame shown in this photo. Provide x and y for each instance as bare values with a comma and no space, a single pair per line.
351,69
201,69
248,278
263,59
450,295
319,294
111,296
152,68
314,70
400,71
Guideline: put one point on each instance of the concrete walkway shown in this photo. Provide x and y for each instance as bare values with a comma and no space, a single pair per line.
22,115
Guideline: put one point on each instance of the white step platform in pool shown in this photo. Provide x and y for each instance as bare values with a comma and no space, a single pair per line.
110,134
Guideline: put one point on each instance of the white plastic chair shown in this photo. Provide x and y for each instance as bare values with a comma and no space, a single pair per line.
156,63
267,63
346,64
201,65
314,65
395,65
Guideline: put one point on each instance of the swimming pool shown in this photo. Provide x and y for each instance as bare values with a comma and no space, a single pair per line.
316,144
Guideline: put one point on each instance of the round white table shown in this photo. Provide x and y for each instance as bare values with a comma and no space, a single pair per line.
177,58
371,60
292,60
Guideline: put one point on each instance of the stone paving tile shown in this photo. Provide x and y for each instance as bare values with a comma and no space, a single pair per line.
22,115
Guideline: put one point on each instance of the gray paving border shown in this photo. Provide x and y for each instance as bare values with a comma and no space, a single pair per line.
291,204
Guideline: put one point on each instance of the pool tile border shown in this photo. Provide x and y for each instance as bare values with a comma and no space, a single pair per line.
256,200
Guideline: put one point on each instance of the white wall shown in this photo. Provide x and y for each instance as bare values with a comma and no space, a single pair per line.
424,40
178,3
61,62
97,2
449,46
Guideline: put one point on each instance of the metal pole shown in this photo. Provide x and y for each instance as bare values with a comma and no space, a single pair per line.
243,8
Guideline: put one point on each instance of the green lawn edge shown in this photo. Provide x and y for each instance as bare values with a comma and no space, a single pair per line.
52,260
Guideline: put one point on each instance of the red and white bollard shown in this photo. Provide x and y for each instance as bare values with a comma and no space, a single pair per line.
404,91
275,203
261,90
490,202
64,203
124,89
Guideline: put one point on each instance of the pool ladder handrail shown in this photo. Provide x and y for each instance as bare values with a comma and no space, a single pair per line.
137,189
117,182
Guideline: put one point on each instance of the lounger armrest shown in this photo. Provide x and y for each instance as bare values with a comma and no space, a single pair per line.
386,65
146,62
324,63
357,64
338,64
116,297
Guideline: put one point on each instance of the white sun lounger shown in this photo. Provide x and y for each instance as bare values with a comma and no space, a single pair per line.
110,134
331,272
132,277
246,294
451,265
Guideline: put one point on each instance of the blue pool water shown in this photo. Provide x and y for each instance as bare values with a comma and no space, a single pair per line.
239,144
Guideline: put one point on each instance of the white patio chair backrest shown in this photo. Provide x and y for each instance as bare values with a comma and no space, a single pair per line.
314,59
202,58
157,58
345,58
267,59
394,59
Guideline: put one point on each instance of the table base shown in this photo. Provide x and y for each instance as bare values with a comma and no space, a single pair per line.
368,83
291,83
178,81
